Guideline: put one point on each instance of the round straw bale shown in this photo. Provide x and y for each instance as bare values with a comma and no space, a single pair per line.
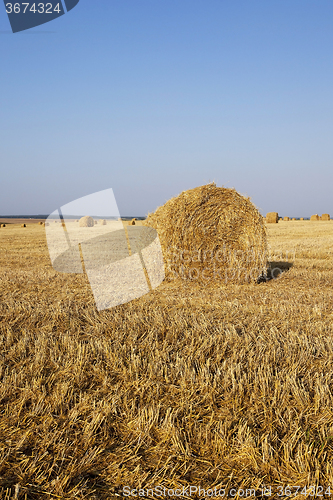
211,233
132,222
325,217
272,218
76,220
41,223
3,225
314,217
102,222
95,222
286,218
293,218
46,224
86,221
23,225
302,218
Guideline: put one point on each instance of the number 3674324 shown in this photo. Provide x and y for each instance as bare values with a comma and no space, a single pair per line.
36,8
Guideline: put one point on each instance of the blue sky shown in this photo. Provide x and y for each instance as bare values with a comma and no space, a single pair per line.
152,97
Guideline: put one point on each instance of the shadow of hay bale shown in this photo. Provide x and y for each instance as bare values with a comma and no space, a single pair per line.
274,270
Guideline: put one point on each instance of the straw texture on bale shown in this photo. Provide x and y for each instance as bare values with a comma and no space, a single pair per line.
272,218
314,217
325,217
86,221
209,233
286,218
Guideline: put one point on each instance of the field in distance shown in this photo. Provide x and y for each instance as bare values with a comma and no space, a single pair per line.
226,385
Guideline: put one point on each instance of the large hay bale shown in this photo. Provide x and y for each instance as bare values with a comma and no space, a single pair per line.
314,217
272,218
325,217
211,233
286,218
86,221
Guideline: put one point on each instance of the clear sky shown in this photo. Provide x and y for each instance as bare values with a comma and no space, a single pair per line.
152,97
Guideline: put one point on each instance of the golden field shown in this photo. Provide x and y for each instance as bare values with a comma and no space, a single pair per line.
227,386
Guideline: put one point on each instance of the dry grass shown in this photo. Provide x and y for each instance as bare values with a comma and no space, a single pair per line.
272,218
223,385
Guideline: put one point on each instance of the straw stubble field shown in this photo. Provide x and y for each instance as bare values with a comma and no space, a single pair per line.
226,385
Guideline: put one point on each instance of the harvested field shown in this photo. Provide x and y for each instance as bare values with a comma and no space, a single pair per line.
225,385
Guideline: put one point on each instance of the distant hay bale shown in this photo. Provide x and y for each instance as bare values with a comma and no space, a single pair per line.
211,233
286,218
86,221
132,222
76,220
95,222
314,217
3,225
302,218
325,217
23,225
102,222
281,218
293,218
272,218
46,224
41,223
